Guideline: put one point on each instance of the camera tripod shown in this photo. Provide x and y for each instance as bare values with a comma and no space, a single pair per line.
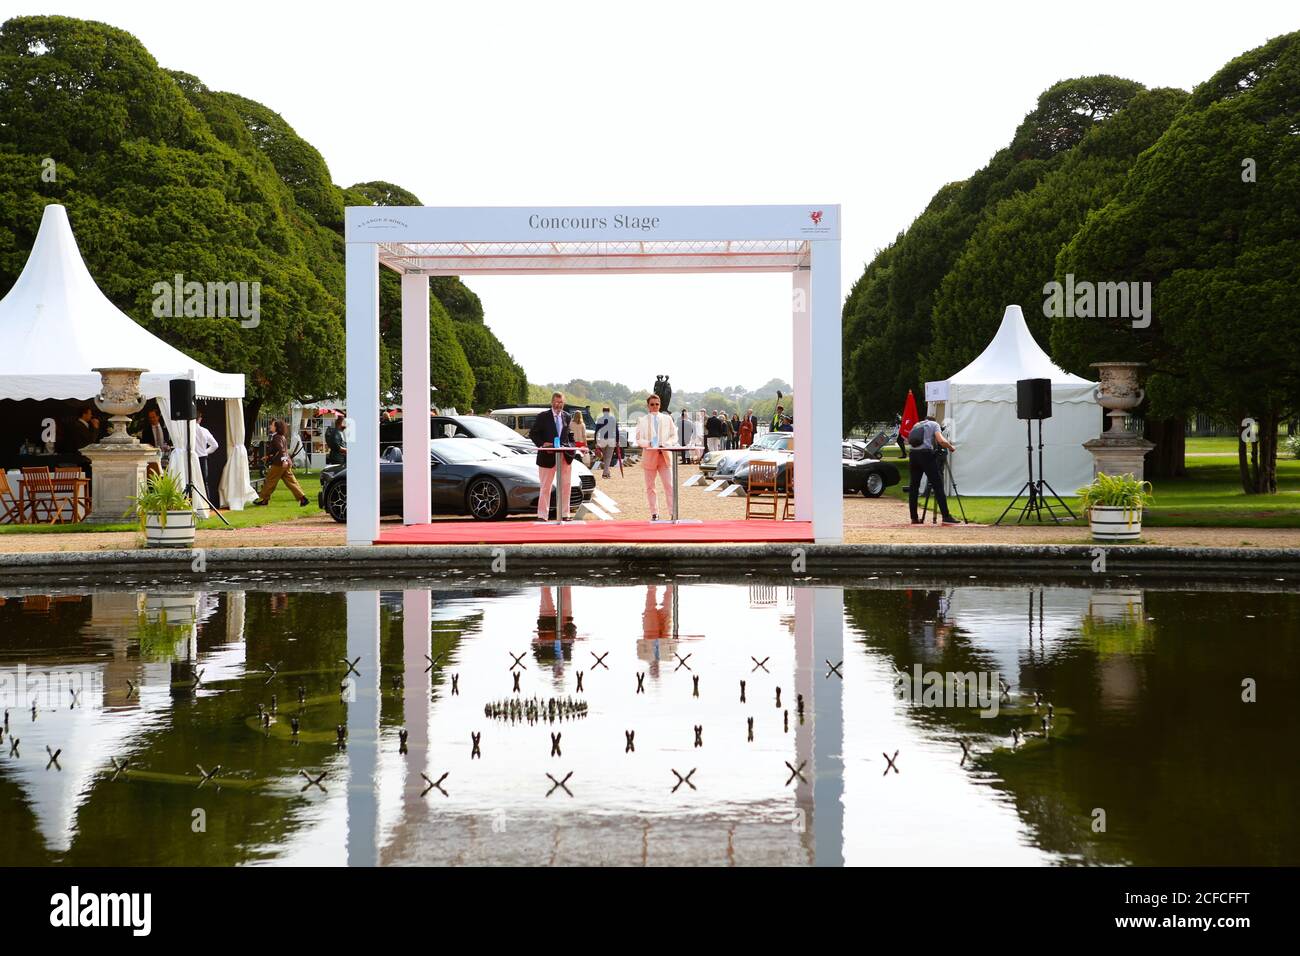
950,481
1036,498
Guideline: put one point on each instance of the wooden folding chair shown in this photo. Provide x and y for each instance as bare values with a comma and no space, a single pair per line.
73,490
11,508
42,498
762,498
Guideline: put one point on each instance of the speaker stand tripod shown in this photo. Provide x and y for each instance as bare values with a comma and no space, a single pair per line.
192,489
1036,498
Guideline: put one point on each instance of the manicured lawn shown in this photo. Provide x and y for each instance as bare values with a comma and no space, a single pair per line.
283,507
1210,495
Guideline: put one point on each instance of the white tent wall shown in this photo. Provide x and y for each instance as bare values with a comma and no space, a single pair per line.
236,488
56,326
990,439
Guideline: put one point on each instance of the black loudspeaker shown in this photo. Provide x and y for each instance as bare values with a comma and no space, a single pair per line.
184,408
1033,398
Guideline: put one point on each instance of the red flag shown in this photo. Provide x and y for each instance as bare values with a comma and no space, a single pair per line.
909,415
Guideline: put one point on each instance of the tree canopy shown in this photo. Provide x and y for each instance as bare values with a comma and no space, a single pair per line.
162,175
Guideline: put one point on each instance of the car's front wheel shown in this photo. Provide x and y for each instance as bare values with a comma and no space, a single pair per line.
486,500
336,502
874,486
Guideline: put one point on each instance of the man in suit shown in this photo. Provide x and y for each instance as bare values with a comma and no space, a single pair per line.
547,427
155,433
654,431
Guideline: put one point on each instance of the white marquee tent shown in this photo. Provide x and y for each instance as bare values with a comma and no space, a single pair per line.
56,326
980,409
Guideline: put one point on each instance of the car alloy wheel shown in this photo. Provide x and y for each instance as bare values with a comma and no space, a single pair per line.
336,501
486,500
875,485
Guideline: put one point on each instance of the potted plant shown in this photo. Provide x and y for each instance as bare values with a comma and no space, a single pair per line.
1114,504
166,516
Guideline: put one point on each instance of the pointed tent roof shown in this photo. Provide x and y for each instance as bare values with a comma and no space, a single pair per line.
1012,355
56,326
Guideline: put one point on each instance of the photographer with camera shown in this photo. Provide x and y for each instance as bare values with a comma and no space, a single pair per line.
924,459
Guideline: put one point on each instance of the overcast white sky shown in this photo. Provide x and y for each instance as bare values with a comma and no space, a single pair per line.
870,106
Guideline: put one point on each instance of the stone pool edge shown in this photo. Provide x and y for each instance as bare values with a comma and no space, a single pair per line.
798,560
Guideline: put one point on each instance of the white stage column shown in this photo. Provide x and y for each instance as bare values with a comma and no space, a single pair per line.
823,384
801,314
415,399
363,391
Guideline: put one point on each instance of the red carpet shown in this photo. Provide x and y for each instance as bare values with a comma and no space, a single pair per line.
596,532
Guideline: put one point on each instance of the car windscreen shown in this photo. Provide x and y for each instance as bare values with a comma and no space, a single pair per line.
488,428
458,451
770,440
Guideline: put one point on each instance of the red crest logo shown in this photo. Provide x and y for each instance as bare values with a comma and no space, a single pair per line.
816,217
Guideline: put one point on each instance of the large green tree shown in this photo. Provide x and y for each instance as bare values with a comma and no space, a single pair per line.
1012,253
152,191
888,315
1210,216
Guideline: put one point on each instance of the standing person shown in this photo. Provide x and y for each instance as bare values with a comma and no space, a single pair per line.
336,445
713,431
735,430
747,427
155,433
551,429
606,438
684,434
776,418
654,431
923,461
204,445
578,426
81,431
280,467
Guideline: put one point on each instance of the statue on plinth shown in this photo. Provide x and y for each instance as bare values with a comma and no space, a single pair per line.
665,392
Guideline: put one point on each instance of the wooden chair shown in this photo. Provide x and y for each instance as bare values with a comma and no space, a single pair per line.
43,500
73,489
762,498
787,513
11,507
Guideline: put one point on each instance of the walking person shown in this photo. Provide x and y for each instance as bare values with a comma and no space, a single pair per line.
551,430
656,430
923,460
606,438
280,467
204,445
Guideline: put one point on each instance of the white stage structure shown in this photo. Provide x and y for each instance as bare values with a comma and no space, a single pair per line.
421,241
980,409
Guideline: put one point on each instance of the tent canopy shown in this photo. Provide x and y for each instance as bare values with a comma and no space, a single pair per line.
981,409
56,326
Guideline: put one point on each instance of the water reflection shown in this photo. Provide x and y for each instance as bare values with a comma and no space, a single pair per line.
1144,686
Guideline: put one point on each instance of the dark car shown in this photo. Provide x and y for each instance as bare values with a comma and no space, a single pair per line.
861,474
468,476
477,426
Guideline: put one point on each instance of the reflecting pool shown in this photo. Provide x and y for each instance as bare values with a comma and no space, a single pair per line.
661,722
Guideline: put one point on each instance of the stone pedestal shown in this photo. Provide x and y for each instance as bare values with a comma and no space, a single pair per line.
1123,455
118,471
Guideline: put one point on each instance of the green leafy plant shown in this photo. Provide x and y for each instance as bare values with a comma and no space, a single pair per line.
160,494
1116,491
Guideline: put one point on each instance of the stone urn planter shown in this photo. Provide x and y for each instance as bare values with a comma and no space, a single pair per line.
119,397
1118,392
